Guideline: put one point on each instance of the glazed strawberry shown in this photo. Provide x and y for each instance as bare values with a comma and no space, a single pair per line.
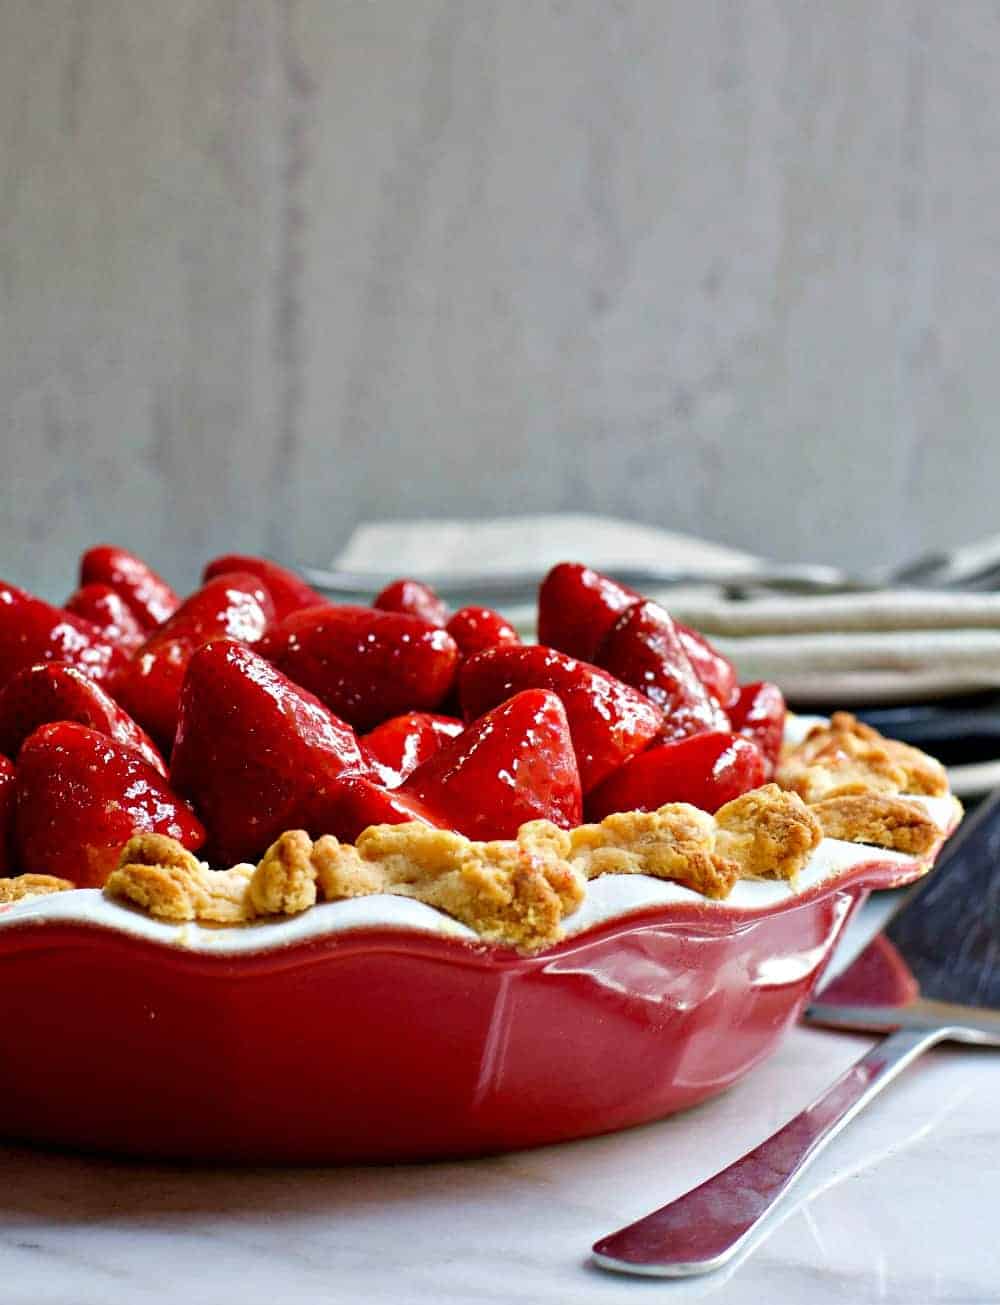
108,612
759,714
577,607
514,764
33,631
150,598
8,806
644,649
356,802
398,746
289,591
475,629
717,673
609,721
81,796
52,692
414,598
255,753
148,688
366,665
236,605
706,770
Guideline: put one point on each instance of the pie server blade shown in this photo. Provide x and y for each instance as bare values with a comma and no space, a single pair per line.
932,974
937,961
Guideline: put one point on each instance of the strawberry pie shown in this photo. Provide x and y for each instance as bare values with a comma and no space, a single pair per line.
253,749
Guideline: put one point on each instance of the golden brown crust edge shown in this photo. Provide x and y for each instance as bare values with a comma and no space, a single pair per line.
858,783
512,891
24,886
878,818
848,757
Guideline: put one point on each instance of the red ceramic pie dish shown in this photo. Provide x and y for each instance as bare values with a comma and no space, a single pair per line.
382,1044
337,1016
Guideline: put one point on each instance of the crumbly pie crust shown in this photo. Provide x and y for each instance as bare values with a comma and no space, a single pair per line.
843,781
847,756
23,886
855,781
513,891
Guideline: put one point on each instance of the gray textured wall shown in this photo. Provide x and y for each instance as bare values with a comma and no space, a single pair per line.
269,266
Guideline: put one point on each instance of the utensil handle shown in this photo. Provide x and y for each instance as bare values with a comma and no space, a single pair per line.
704,1228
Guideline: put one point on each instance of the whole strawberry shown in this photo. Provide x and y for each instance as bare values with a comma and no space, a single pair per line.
644,649
366,665
289,592
577,606
34,631
514,764
150,598
608,721
54,692
81,796
413,598
475,629
256,753
707,770
236,605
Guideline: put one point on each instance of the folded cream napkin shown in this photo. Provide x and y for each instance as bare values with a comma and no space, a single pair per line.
502,544
897,646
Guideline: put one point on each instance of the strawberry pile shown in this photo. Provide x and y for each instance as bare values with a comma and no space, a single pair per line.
256,706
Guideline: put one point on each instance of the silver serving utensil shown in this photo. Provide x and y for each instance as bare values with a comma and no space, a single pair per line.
973,566
522,585
932,974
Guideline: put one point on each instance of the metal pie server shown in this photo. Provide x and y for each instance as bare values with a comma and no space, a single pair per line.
932,974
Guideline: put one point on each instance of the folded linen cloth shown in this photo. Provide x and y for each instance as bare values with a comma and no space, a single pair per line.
500,544
851,649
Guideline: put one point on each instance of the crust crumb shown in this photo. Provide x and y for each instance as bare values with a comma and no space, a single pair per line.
856,783
158,874
24,886
284,882
770,833
848,757
676,842
878,818
512,891
765,834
